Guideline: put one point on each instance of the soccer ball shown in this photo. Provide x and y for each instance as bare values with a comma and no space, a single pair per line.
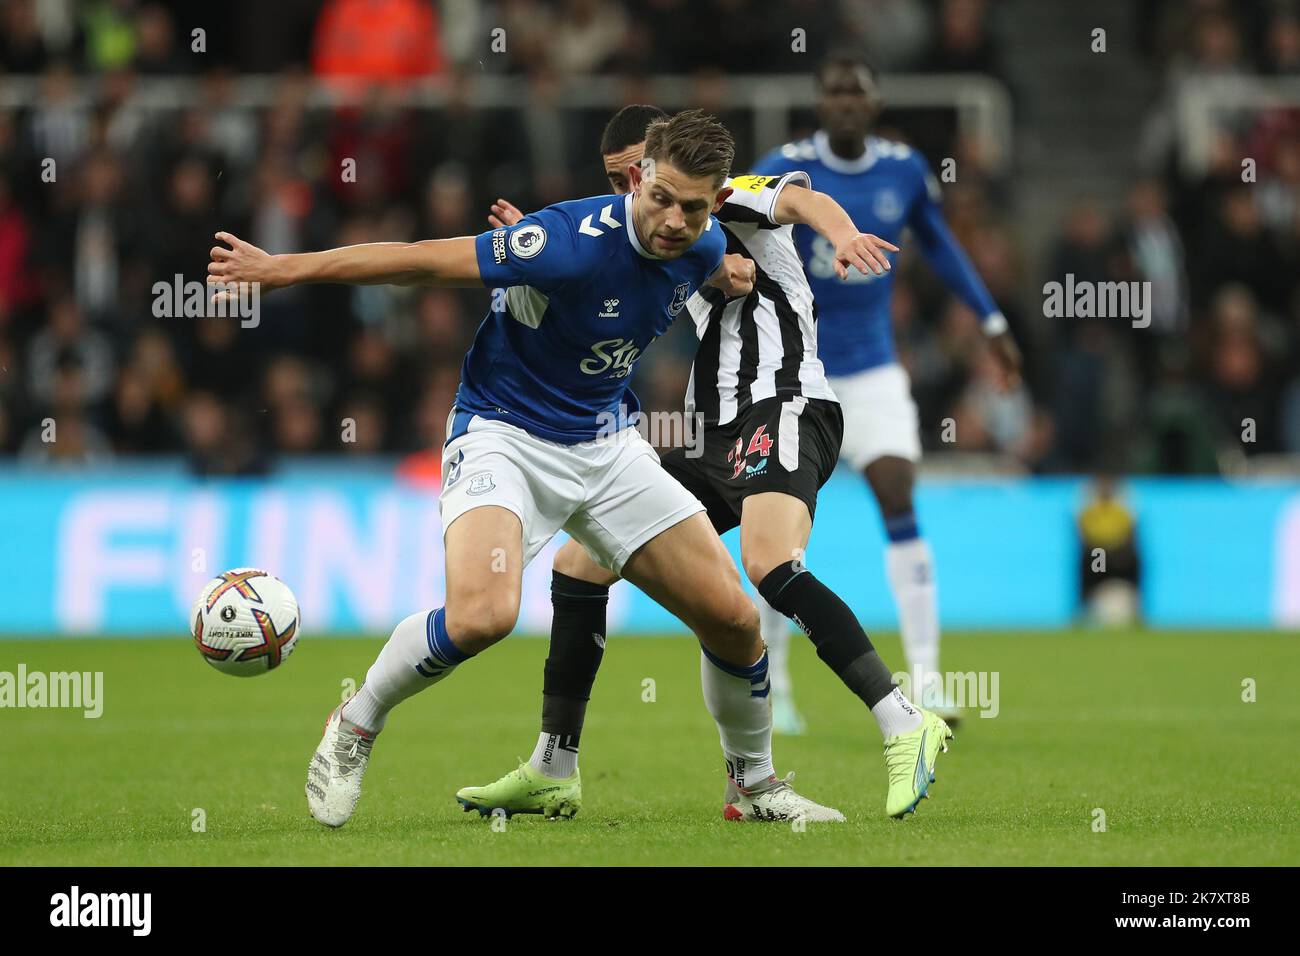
245,622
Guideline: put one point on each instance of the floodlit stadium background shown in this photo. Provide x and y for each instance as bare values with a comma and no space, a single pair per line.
1166,149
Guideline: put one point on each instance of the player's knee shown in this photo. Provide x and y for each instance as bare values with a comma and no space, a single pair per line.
572,560
565,561
761,561
732,626
478,621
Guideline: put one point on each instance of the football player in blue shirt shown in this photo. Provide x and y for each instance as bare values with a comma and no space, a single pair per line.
770,434
886,187
528,452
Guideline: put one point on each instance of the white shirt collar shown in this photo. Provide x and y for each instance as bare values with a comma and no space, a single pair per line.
822,143
630,223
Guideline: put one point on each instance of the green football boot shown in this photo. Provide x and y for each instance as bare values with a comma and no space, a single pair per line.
525,790
909,759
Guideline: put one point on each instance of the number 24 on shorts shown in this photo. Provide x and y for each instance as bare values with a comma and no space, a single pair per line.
760,443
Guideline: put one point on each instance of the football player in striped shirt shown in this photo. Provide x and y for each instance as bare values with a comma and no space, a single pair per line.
771,435
886,187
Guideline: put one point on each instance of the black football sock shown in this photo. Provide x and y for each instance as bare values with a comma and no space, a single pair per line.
577,646
833,628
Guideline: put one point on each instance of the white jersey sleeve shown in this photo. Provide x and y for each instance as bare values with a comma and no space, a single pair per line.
753,198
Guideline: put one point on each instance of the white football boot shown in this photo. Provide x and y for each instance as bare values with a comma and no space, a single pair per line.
336,768
773,800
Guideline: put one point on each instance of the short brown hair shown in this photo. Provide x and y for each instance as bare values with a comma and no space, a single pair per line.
693,142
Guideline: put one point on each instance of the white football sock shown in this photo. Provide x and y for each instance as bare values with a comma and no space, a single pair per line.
417,655
554,755
776,635
911,579
366,710
737,698
896,714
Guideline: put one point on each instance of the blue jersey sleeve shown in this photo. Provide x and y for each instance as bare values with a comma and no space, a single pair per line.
713,244
541,250
945,254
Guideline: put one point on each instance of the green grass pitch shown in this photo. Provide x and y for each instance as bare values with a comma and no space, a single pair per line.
1150,728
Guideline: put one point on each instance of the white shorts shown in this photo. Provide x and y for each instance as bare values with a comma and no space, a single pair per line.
880,417
611,495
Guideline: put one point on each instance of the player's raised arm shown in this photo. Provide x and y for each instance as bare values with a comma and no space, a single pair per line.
945,255
808,207
442,262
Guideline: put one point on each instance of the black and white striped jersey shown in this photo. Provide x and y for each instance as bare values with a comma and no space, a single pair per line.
764,344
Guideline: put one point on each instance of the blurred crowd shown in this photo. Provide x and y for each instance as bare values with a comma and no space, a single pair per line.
1216,377
101,200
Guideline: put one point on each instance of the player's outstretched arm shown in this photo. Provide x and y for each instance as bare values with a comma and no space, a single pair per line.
808,207
443,262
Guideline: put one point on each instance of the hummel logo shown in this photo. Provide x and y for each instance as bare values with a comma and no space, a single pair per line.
453,473
611,310
587,229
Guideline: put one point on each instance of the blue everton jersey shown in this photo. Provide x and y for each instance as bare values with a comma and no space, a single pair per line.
885,190
580,300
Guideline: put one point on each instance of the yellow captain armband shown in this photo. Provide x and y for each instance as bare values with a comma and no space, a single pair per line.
754,184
